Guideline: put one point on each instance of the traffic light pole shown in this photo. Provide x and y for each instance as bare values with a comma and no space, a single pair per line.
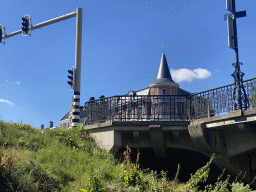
76,98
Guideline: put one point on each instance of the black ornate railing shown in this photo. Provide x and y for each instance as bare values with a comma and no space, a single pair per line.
208,103
139,108
217,101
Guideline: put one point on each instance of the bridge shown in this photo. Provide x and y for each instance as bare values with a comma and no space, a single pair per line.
204,122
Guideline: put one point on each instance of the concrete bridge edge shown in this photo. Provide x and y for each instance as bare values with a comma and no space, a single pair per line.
200,136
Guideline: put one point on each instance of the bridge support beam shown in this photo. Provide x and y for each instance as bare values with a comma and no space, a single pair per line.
248,127
136,135
175,136
201,138
209,141
157,140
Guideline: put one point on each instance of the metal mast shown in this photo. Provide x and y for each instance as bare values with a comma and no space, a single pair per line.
76,96
239,98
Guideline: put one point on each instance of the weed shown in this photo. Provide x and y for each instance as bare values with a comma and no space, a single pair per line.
131,174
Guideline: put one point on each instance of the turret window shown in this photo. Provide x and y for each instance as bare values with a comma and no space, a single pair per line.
152,91
164,92
175,92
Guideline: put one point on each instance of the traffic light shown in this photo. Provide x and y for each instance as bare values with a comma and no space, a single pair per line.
26,25
72,78
2,32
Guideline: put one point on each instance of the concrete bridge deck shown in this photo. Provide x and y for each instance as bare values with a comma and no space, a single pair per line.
232,137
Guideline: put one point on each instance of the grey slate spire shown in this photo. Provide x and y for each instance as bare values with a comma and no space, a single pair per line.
163,75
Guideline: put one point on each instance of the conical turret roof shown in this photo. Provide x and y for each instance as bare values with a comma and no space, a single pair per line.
163,75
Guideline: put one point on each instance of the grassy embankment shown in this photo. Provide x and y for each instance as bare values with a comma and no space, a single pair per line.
70,160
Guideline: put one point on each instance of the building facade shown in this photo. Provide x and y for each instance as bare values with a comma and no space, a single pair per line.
65,122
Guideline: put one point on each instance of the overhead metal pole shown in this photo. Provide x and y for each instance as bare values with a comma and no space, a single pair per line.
43,24
76,97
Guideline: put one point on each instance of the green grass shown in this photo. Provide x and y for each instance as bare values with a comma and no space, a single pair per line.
70,160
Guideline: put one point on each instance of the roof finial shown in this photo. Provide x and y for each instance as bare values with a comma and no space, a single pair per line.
163,46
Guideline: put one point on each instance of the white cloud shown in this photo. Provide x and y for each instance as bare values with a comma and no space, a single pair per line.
6,101
17,82
180,75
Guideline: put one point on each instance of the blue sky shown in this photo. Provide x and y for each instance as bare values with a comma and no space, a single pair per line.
121,51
